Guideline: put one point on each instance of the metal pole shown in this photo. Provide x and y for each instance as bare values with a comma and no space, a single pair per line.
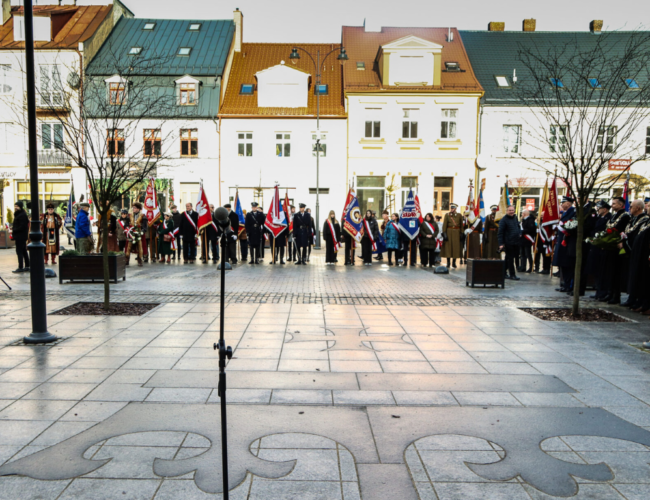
317,245
36,247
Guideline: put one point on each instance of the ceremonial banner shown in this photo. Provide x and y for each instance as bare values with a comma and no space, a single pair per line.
240,213
471,207
480,208
418,210
550,217
409,221
352,220
151,209
276,219
626,192
348,199
287,210
503,204
203,209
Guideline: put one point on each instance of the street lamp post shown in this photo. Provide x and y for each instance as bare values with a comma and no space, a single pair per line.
36,247
294,58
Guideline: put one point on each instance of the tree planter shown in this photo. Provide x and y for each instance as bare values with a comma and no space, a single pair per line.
485,272
91,268
5,241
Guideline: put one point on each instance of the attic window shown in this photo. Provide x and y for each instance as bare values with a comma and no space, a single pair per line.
135,51
632,84
502,82
594,83
194,27
246,89
184,51
149,26
452,66
557,83
321,89
361,65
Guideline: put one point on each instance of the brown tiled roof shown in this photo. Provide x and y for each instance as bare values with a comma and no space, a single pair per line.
363,46
255,57
74,23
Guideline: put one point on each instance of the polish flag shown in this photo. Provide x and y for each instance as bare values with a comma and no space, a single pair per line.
276,220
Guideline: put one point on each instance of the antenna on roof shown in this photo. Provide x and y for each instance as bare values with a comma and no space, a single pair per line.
514,75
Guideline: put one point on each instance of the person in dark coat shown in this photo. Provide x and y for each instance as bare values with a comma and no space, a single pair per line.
260,217
188,231
633,251
508,236
590,217
20,234
596,257
212,237
302,234
565,253
166,227
231,244
638,285
613,260
121,228
291,244
370,234
331,238
254,230
312,237
528,234
429,231
490,242
176,217
393,238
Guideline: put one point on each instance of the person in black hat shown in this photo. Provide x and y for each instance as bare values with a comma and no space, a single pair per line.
613,260
20,233
254,231
231,244
564,256
635,253
590,218
596,258
302,233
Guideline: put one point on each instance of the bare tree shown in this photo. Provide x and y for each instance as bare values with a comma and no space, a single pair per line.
589,99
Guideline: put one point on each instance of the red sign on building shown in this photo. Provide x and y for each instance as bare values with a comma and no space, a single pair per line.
530,204
619,164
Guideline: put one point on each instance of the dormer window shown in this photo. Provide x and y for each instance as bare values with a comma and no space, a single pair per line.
117,89
502,82
361,66
594,83
321,89
452,66
187,93
184,51
134,51
149,26
246,89
632,84
194,27
557,83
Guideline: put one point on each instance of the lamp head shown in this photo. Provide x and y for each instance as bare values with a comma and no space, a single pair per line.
342,57
295,56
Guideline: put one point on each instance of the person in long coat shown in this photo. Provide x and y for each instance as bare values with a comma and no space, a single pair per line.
331,238
452,227
393,238
564,256
20,234
596,258
312,237
370,228
254,231
165,247
112,233
490,240
51,227
473,236
188,230
176,217
122,226
528,235
302,233
428,241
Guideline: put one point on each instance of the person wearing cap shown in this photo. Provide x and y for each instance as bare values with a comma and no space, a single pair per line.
254,230
165,237
473,235
564,256
82,231
613,260
20,234
231,244
302,234
642,269
452,227
293,252
189,231
633,254
312,237
508,235
50,227
596,256
528,235
490,241
176,217
121,228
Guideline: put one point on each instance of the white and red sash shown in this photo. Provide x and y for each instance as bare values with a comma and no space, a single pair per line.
196,230
127,230
529,238
173,242
367,226
336,243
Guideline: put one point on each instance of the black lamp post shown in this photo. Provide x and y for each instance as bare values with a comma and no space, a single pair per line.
294,58
36,247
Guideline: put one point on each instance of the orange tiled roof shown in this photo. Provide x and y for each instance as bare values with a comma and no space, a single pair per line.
363,46
255,57
74,24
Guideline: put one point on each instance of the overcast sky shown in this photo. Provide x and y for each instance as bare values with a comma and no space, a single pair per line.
296,21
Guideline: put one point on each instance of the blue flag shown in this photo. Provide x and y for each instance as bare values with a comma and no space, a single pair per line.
239,212
353,221
409,221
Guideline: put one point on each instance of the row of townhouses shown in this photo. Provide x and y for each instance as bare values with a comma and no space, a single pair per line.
390,109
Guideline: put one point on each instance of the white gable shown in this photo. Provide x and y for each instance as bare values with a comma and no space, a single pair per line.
411,60
282,86
409,42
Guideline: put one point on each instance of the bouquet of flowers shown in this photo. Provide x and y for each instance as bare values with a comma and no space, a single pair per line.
568,227
607,240
134,234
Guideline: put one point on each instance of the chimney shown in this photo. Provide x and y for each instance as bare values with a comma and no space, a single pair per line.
6,11
529,24
239,29
496,26
596,26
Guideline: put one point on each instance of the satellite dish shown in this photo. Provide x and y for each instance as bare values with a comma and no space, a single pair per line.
74,80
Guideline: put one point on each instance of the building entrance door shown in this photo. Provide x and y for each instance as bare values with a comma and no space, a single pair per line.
189,194
443,192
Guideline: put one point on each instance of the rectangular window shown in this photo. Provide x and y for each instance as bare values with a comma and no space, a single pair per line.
410,123
511,138
408,183
321,89
322,145
607,139
502,81
647,141
373,123
52,136
50,89
245,143
184,51
116,93
149,26
5,70
282,145
246,89
152,142
135,51
195,27
448,124
557,139
115,142
188,94
189,142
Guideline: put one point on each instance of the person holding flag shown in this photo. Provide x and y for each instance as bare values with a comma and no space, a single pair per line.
276,224
189,231
409,223
369,238
352,226
254,231
332,237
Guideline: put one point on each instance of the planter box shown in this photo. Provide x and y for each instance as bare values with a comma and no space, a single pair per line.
91,268
5,242
485,272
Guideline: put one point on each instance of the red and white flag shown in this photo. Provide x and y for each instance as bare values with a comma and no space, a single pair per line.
287,211
550,219
151,209
276,220
348,199
203,209
418,210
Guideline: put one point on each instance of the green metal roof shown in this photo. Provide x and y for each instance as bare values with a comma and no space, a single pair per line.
496,53
210,46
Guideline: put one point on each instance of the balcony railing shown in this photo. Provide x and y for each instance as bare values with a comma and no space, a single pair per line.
52,158
51,100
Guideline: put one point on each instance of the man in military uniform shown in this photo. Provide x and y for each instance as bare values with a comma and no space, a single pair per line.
452,227
632,251
613,260
231,244
254,231
490,242
596,258
302,234
292,247
564,256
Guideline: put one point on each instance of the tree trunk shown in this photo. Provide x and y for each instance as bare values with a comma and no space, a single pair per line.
107,284
575,309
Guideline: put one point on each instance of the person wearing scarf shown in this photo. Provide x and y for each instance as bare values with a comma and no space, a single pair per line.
50,227
121,228
428,243
369,238
165,228
392,235
332,239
